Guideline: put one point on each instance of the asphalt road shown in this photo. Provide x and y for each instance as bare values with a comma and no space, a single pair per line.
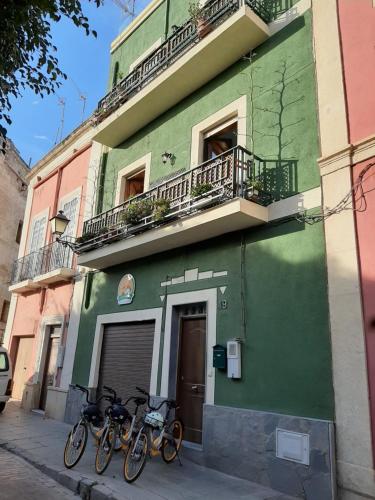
21,481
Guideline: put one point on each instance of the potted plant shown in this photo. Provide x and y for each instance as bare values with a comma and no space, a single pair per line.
84,238
199,18
161,209
254,188
201,189
136,211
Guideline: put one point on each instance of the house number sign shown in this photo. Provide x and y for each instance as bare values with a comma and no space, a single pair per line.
126,290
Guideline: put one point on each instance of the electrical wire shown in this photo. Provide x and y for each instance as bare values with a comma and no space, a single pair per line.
356,194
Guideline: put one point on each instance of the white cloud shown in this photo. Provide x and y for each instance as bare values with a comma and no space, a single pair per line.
41,137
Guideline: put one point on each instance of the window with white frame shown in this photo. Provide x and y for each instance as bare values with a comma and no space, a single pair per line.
70,209
38,232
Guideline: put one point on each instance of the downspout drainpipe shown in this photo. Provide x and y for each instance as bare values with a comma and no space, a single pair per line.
166,28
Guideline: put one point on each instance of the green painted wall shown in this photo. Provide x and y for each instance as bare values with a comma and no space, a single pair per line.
282,121
154,28
286,355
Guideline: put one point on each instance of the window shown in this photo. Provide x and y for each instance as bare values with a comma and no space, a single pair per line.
38,233
133,179
134,184
70,209
219,140
19,232
4,363
5,311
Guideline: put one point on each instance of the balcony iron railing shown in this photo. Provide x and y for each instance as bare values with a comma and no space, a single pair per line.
183,38
225,177
46,259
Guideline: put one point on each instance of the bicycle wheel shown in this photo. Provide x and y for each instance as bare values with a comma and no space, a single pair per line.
171,446
105,449
135,458
75,445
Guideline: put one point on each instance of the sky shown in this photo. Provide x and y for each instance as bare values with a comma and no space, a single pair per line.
36,122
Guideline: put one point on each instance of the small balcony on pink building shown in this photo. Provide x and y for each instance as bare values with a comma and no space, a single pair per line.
50,265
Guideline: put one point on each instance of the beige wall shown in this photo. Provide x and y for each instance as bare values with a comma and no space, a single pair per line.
13,193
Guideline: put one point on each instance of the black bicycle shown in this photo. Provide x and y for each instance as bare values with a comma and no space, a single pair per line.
118,428
91,420
156,435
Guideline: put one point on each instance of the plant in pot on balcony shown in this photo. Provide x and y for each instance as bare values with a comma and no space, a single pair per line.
161,209
201,189
85,238
199,18
136,211
254,187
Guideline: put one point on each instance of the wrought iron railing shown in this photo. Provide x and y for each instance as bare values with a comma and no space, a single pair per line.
46,259
183,38
225,177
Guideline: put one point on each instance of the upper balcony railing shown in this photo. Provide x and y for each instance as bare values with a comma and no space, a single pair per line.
235,173
182,39
46,259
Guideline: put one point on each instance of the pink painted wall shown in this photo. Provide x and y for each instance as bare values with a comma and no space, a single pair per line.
357,23
366,249
31,308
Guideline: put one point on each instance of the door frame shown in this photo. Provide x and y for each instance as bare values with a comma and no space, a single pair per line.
126,317
209,296
43,339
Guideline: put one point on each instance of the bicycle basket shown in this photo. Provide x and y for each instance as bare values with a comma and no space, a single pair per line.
92,414
155,420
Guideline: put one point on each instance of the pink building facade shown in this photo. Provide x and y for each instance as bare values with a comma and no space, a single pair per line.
46,284
357,27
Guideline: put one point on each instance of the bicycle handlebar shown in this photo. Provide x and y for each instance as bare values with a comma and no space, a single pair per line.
170,402
111,398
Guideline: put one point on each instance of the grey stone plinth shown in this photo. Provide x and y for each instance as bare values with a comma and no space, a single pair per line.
243,443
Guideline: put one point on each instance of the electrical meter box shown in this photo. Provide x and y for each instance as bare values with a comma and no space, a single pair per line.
234,359
220,357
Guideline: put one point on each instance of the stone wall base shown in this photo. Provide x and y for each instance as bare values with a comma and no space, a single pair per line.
56,403
355,482
242,443
31,396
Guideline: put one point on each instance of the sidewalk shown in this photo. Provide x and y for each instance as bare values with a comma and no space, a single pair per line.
41,442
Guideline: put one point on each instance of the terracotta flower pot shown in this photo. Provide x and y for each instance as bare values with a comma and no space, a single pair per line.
203,27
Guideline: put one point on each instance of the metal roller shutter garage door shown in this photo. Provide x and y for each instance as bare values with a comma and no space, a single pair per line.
126,357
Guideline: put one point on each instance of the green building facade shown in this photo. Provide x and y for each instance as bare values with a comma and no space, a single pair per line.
255,274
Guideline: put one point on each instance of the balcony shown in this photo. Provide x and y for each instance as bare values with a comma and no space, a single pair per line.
49,265
222,195
182,64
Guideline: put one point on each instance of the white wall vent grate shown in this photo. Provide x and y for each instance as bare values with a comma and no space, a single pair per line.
293,446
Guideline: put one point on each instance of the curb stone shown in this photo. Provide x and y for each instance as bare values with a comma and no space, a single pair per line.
81,485
101,492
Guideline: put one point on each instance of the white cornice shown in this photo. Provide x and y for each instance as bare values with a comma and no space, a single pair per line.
350,154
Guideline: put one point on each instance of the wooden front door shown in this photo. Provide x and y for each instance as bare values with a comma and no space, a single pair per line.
191,377
21,368
50,365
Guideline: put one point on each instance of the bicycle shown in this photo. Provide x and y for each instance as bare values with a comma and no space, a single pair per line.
90,421
119,426
155,436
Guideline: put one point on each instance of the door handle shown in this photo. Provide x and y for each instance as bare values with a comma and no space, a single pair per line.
194,387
